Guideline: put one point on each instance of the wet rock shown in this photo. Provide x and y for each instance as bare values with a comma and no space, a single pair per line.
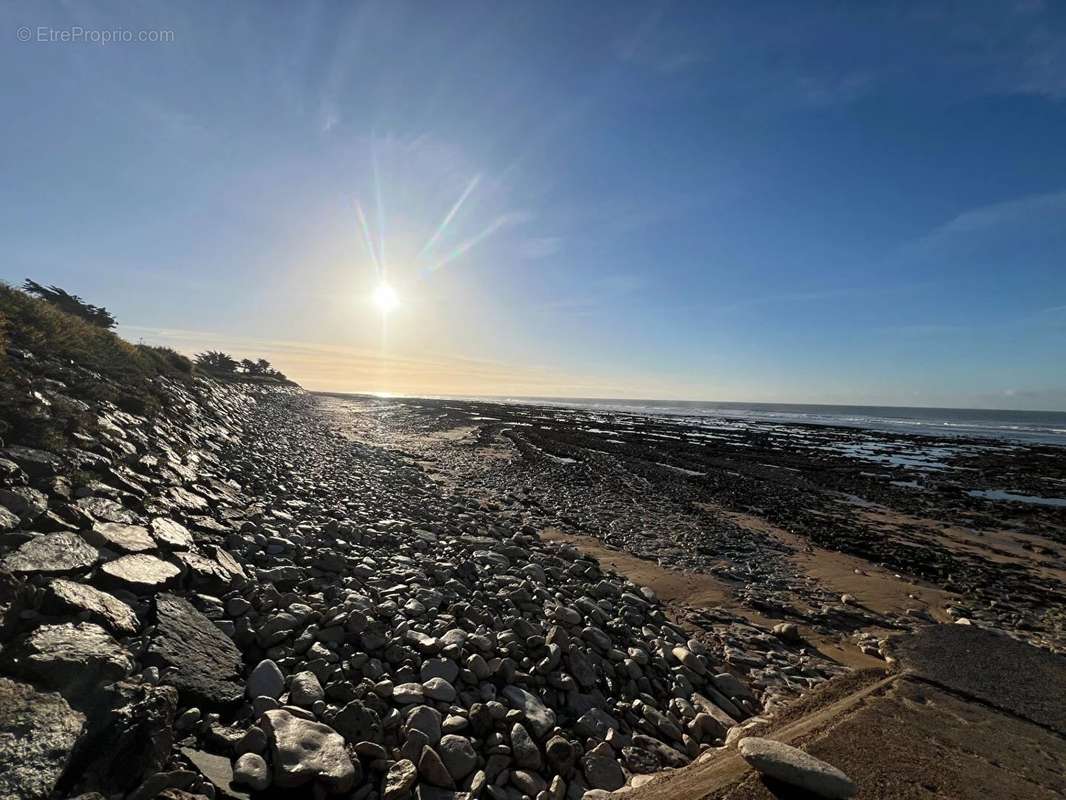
302,751
140,573
796,768
70,597
200,660
38,731
53,553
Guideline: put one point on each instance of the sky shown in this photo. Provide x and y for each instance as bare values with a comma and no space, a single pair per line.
778,202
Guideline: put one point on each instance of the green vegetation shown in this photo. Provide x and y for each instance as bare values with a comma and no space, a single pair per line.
42,342
223,364
71,303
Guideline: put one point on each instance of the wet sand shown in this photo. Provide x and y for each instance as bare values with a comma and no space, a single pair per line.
771,521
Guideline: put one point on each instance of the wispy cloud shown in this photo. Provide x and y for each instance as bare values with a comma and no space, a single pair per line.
329,367
540,247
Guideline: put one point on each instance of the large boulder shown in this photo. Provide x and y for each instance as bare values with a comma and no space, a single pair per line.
73,659
796,768
38,731
128,737
199,659
70,597
53,553
304,751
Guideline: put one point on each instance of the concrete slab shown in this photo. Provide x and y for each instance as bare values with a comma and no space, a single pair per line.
914,736
990,667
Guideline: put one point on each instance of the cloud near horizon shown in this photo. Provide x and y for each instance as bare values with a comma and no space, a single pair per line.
337,368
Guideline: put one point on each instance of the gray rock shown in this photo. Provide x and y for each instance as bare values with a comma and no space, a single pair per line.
302,751
796,768
305,690
357,722
69,597
171,534
432,770
603,773
528,783
38,731
251,770
104,510
140,573
442,668
458,755
265,680
400,780
667,755
539,716
119,537
525,751
426,720
218,771
72,659
407,693
201,661
438,689
35,463
53,553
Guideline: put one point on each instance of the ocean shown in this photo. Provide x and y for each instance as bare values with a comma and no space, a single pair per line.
1046,427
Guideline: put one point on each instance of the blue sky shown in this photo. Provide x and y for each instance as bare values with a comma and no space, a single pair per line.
780,202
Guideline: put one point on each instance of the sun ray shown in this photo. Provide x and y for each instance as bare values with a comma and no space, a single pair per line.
366,237
381,214
450,215
499,222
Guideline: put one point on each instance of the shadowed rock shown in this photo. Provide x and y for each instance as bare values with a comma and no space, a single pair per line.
200,660
796,768
72,659
38,731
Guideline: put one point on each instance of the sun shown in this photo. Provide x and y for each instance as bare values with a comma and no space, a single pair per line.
386,299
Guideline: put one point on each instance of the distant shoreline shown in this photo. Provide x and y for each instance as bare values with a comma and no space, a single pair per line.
1033,427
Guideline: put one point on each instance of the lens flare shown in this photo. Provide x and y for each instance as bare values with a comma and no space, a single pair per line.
386,299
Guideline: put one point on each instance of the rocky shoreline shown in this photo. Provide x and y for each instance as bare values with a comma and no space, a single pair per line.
262,592
230,598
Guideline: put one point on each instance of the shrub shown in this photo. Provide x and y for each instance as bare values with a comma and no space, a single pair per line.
70,303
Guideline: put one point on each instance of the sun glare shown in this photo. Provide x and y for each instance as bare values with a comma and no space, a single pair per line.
385,298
